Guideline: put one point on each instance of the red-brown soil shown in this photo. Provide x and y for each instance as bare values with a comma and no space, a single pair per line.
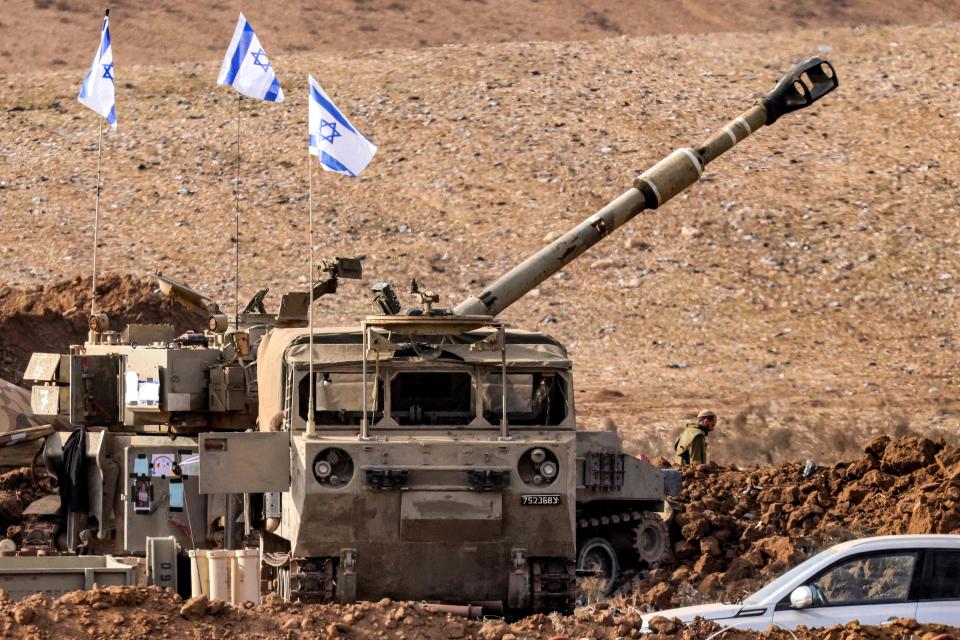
140,612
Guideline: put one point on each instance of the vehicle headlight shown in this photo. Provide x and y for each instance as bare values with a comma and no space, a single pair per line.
538,466
333,467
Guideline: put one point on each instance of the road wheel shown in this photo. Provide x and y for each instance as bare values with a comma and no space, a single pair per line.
651,538
598,558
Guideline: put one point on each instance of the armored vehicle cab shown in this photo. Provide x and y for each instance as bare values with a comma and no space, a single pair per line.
442,462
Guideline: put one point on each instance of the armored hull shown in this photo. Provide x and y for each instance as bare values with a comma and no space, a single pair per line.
435,533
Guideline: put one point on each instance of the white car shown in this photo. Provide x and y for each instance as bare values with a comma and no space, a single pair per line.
872,580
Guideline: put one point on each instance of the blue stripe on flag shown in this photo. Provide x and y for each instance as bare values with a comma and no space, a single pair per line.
243,46
106,38
329,161
332,110
112,116
273,91
83,87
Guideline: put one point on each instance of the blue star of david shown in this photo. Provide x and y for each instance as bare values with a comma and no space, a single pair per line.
108,71
265,64
333,130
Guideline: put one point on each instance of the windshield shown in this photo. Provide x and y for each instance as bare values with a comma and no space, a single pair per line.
444,397
432,398
760,596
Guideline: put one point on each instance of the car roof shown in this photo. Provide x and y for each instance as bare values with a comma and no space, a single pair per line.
900,542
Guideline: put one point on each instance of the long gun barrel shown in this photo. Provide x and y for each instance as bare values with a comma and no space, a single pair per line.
802,86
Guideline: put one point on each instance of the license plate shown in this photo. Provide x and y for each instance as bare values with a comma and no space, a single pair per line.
540,499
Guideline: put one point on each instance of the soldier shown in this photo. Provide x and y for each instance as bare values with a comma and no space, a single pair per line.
691,446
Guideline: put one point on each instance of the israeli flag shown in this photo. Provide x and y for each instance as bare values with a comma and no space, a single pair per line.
246,67
336,142
97,91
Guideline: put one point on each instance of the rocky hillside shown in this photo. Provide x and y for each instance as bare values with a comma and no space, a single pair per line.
805,287
38,34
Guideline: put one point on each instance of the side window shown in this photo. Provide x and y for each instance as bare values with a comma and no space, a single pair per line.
942,579
533,399
338,398
866,580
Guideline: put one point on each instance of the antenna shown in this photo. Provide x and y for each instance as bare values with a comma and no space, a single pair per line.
236,280
96,212
311,403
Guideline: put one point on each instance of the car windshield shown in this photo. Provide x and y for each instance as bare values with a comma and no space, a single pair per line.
760,596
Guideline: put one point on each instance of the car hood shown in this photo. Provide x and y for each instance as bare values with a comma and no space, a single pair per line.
705,611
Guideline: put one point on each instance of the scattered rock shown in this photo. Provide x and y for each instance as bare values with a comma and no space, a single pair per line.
664,626
23,615
494,630
906,455
195,607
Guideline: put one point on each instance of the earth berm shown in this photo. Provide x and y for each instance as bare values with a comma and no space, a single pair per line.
120,613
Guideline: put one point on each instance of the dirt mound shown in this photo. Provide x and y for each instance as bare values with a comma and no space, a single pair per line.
142,612
50,319
735,528
60,33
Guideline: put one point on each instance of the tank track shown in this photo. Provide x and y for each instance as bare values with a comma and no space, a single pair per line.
313,580
622,517
644,531
554,585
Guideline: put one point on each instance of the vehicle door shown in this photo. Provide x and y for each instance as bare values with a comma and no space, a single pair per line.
871,588
940,588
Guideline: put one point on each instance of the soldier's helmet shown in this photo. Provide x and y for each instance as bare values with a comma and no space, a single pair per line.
706,420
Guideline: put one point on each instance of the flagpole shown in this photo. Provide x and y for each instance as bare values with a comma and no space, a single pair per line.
311,426
96,219
236,290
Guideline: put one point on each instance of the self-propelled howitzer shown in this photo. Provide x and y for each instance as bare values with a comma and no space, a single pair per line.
432,455
802,86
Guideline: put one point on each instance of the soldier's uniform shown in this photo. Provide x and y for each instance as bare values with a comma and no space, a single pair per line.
691,446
